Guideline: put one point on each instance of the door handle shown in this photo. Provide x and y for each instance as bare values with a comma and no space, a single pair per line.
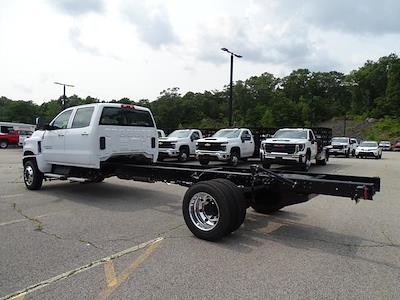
84,134
60,134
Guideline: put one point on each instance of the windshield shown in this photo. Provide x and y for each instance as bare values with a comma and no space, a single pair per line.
179,133
227,133
369,144
291,134
340,140
385,143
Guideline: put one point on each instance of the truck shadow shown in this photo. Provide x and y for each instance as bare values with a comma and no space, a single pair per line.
118,197
283,229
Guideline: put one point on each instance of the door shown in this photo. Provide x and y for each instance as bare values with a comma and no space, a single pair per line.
53,144
247,144
313,144
78,140
193,138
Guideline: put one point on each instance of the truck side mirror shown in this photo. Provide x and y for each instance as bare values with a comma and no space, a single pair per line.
39,123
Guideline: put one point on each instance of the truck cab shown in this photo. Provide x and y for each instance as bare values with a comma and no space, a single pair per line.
292,146
230,145
81,139
179,144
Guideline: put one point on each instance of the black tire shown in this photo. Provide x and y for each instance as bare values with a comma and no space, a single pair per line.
204,162
321,162
98,179
353,153
225,212
380,156
234,159
238,202
357,156
183,154
33,178
3,144
307,164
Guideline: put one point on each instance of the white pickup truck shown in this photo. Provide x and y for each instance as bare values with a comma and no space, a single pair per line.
79,142
293,146
180,143
229,145
344,146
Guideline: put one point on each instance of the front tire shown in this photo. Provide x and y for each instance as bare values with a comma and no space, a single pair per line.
3,144
183,155
204,162
234,160
33,178
307,163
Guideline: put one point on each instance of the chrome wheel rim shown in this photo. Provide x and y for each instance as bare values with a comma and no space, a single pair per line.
183,156
204,211
234,160
3,144
28,175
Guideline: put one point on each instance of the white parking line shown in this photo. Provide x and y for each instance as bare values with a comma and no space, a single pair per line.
25,220
11,196
86,267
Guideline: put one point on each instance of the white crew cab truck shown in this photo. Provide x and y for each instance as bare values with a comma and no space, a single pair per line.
229,145
180,144
79,142
293,146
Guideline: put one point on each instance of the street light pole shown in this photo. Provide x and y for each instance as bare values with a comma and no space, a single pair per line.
64,96
231,86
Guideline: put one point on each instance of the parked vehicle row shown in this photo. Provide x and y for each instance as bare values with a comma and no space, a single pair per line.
343,145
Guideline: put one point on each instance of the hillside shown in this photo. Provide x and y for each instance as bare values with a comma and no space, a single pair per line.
369,128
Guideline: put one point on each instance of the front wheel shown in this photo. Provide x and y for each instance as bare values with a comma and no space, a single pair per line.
204,162
234,160
305,166
3,144
183,155
33,178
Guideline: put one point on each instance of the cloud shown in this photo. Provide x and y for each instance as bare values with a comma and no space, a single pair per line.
356,16
74,37
76,8
288,43
152,23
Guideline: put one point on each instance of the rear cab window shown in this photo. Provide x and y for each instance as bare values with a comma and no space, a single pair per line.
126,117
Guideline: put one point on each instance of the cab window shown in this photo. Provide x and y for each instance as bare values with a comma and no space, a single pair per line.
195,136
82,117
61,122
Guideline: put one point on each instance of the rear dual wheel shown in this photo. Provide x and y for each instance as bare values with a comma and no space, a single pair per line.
213,209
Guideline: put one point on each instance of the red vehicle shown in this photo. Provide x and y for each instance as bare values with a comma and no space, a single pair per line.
396,147
11,138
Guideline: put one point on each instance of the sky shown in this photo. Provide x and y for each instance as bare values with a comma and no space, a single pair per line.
137,49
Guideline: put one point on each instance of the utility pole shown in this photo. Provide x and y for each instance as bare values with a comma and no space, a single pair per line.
231,86
63,104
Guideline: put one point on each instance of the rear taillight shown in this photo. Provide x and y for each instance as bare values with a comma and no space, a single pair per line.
153,142
102,143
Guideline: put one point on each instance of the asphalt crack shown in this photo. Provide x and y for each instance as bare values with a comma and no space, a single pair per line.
40,227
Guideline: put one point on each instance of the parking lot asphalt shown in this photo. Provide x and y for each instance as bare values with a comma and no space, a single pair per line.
127,240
